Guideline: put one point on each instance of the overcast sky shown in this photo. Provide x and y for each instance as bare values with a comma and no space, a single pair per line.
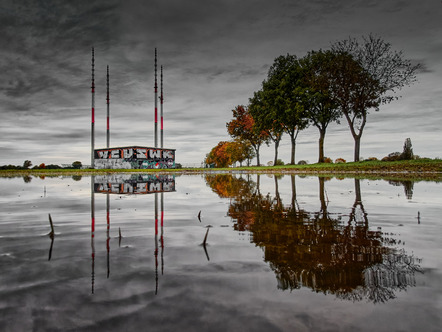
215,54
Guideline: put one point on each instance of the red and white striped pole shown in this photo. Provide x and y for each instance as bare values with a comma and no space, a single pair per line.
93,112
107,101
161,108
156,103
93,232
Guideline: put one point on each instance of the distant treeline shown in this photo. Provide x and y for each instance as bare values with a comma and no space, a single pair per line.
27,165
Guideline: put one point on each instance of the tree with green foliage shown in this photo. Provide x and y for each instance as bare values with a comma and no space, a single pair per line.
283,98
27,164
321,108
407,153
243,126
367,72
77,164
264,121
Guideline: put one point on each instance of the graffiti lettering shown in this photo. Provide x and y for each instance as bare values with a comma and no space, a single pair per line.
128,153
115,154
155,154
134,158
155,186
167,154
103,154
141,153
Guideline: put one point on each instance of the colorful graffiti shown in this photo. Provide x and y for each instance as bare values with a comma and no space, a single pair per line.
134,157
134,184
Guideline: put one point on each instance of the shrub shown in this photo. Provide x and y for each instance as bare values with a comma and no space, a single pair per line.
279,162
340,161
52,166
371,159
328,160
394,156
77,164
302,162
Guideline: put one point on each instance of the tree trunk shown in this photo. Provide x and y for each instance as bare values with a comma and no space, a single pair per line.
358,198
321,145
257,155
292,158
356,135
357,139
276,151
322,195
292,178
277,196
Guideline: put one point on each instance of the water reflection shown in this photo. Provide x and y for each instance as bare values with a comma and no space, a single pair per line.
329,253
130,184
408,186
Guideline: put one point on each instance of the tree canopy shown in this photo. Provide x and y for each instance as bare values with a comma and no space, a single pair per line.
321,107
281,99
243,126
349,80
369,71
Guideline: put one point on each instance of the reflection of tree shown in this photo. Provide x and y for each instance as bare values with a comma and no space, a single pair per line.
408,186
76,177
317,249
27,178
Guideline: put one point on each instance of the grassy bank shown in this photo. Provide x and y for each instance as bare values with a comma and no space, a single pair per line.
422,169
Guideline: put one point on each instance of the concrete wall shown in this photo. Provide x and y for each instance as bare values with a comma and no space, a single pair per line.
134,157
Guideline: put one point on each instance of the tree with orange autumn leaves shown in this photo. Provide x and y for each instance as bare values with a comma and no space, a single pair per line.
243,127
227,153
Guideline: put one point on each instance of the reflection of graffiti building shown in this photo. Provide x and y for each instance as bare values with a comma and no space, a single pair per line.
134,157
134,184
129,184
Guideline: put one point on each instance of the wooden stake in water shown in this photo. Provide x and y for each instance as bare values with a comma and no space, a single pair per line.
52,233
205,237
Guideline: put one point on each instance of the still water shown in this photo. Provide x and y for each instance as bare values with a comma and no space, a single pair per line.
220,253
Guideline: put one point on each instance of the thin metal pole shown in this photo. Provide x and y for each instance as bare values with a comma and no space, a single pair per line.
108,233
93,112
161,107
162,238
93,232
156,103
156,243
107,101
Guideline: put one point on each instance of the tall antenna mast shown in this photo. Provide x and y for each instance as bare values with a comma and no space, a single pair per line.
107,101
93,112
161,107
156,102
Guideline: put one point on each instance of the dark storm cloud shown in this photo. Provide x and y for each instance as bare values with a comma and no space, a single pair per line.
215,54
43,40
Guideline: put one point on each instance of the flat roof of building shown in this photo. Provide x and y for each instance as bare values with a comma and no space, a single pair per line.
134,147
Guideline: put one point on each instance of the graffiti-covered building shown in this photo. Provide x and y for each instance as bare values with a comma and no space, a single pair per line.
130,157
134,157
